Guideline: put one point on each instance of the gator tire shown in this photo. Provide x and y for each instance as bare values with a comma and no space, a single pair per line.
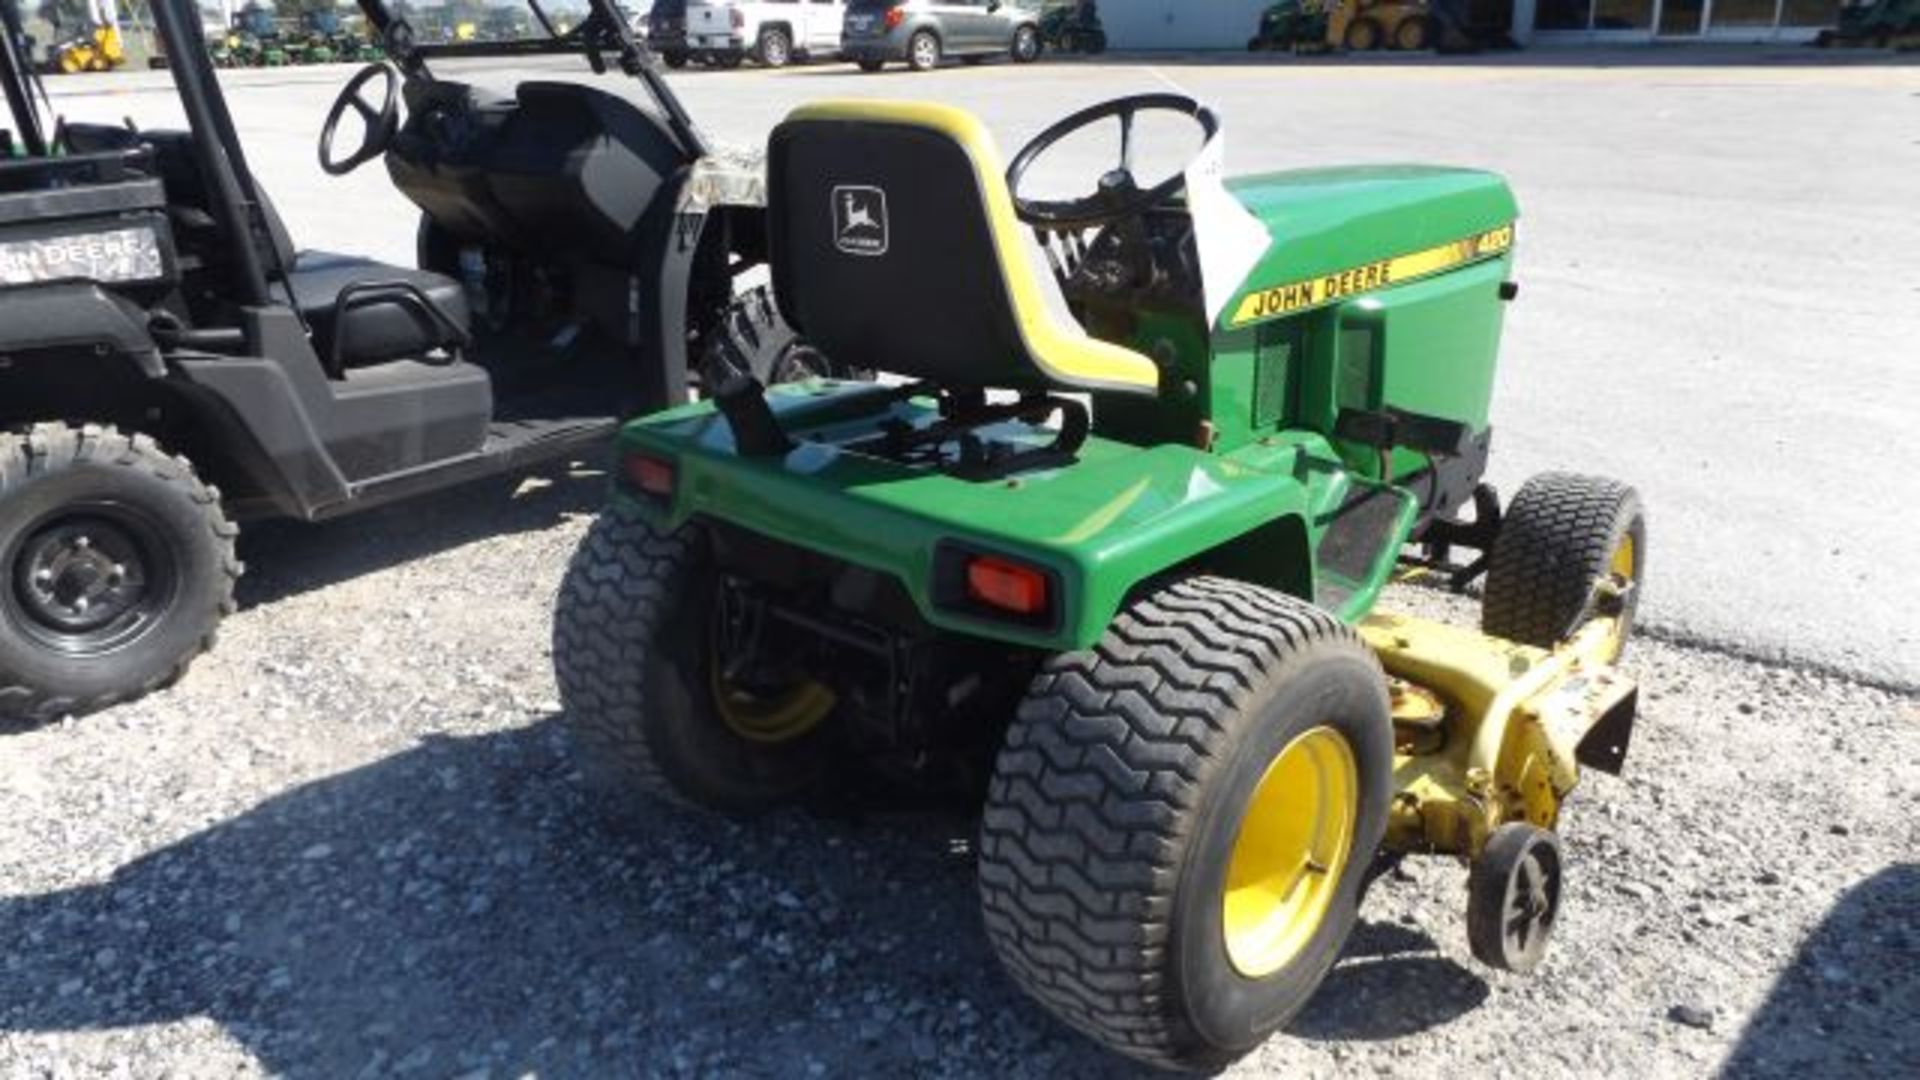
751,336
631,659
1558,541
82,510
1116,805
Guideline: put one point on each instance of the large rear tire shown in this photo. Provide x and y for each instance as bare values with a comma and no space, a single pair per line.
116,567
633,659
1181,820
1561,540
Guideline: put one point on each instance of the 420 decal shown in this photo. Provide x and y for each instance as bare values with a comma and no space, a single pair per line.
1271,303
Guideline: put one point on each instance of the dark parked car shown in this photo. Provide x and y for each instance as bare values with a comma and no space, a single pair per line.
667,31
922,32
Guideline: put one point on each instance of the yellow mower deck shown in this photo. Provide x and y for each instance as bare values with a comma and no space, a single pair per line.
1488,731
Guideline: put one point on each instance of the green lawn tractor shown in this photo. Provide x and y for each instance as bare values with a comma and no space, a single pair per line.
1297,26
1073,27
1115,578
1878,25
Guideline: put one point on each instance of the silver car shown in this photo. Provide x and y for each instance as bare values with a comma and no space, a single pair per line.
923,32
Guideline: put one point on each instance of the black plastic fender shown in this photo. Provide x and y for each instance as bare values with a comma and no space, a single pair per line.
77,315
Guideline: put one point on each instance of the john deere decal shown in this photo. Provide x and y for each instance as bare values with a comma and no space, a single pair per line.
1295,296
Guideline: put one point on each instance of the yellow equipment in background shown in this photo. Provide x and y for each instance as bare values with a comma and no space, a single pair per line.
100,49
1365,25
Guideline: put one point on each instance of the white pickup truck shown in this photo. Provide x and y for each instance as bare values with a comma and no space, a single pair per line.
773,32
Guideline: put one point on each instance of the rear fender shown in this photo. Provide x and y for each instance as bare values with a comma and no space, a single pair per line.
67,317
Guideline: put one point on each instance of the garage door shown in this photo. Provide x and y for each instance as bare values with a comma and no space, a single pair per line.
1181,24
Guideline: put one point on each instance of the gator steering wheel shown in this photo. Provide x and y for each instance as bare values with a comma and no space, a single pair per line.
381,123
1119,196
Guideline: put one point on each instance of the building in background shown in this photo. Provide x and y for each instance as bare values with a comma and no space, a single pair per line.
1600,22
1227,24
1180,24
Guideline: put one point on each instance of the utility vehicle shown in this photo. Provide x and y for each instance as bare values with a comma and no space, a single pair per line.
1117,579
171,361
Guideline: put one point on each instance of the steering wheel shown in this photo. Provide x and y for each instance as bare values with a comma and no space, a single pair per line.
382,122
1119,196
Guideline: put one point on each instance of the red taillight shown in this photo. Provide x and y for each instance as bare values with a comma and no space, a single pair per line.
650,474
739,19
895,16
1006,585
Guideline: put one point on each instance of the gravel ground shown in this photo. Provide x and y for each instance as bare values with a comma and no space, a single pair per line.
351,843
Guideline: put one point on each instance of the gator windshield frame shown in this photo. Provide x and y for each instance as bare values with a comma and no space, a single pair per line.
604,31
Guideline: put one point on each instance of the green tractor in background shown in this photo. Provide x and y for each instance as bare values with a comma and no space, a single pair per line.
1115,579
320,40
1073,27
253,40
1296,26
1878,25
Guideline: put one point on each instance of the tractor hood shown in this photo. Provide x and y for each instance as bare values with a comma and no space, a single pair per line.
1337,232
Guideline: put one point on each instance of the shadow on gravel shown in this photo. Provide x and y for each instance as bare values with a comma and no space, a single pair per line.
286,558
453,908
1391,982
449,909
1849,1005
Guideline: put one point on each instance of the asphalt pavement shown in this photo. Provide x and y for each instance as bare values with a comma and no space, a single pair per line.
1719,299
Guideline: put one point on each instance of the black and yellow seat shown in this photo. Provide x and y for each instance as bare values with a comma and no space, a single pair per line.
895,247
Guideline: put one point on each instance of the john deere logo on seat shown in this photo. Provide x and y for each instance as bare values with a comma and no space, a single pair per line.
860,220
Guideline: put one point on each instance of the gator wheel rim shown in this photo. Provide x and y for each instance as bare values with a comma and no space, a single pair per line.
89,581
1291,850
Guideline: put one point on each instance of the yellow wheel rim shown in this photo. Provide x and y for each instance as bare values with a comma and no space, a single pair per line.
770,719
1625,569
1294,842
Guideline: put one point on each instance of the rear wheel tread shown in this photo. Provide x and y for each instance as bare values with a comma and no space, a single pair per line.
1087,820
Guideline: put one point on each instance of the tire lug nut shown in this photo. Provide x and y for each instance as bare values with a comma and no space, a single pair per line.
83,542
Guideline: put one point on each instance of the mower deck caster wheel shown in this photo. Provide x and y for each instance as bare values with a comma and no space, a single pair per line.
1513,897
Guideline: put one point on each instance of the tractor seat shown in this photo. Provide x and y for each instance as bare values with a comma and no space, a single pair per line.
375,312
894,246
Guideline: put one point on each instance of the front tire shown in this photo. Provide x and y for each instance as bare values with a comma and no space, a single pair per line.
1026,45
923,51
1413,34
116,567
1363,35
1566,543
638,685
1181,820
775,49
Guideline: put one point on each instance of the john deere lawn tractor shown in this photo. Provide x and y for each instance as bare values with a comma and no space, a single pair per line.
1073,26
1116,578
